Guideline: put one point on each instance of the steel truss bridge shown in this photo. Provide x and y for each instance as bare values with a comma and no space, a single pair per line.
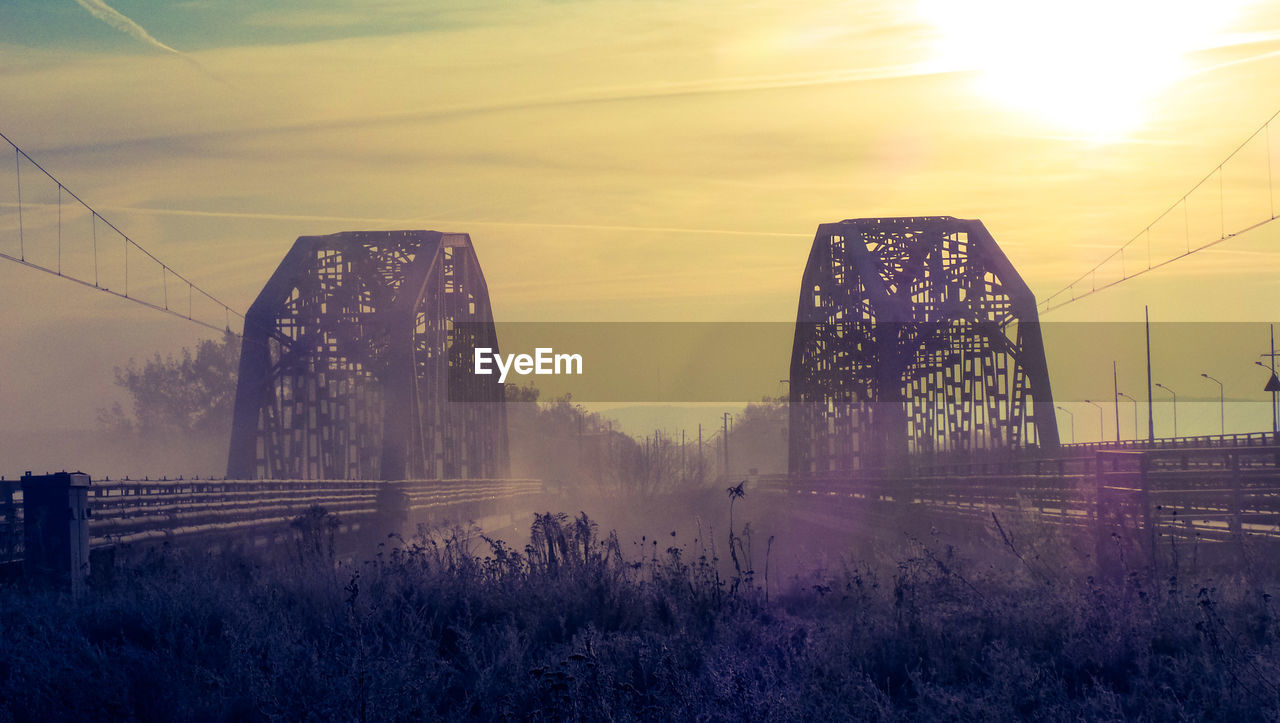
913,336
355,364
915,339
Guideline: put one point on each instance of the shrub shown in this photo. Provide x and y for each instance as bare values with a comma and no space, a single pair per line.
453,625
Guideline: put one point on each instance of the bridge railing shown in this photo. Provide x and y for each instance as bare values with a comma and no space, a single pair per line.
430,494
1209,493
128,512
132,511
1215,494
1251,439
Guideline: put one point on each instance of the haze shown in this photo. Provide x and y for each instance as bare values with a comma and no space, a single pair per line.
616,161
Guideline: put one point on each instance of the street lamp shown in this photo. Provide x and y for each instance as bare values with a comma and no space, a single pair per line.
1073,422
1101,435
1135,413
1275,423
1273,383
1175,407
1222,405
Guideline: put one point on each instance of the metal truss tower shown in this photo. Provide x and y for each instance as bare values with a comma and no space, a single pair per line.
356,364
914,336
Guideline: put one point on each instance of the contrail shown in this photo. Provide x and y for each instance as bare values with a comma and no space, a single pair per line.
115,19
112,17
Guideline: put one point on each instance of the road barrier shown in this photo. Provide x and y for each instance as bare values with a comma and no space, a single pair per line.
1223,494
130,512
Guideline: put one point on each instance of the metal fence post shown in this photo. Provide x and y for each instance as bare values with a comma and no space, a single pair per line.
56,528
1237,502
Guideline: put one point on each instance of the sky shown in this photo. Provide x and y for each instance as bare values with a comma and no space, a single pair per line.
628,160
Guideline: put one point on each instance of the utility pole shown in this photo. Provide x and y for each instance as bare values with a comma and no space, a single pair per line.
699,452
578,467
1115,388
726,445
1151,414
683,469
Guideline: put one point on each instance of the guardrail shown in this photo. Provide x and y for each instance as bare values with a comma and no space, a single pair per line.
132,511
1251,439
1215,494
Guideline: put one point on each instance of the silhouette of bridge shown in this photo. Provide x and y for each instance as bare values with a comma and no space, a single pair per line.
915,337
351,354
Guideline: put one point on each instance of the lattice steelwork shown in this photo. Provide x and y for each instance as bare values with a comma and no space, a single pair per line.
913,336
351,355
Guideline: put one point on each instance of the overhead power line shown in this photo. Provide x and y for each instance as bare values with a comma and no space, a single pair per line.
53,236
1218,217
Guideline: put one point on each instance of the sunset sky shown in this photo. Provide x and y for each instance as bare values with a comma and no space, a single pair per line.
641,160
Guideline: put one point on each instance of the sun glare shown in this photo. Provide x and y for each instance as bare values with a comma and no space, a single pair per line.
1090,67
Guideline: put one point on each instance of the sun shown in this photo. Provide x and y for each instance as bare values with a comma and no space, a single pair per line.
1089,67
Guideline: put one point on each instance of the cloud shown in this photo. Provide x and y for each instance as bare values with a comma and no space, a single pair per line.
688,134
567,98
115,19
419,221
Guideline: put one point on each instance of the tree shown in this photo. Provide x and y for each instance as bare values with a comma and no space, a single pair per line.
565,445
193,394
525,394
758,438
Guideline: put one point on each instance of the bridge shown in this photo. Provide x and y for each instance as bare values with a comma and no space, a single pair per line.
919,385
351,354
914,336
919,391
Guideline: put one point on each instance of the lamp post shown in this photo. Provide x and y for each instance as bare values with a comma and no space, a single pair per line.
1073,422
1175,407
1275,423
1222,405
1135,413
1115,397
1273,383
1101,431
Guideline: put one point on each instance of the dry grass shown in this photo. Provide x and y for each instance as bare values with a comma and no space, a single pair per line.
455,626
